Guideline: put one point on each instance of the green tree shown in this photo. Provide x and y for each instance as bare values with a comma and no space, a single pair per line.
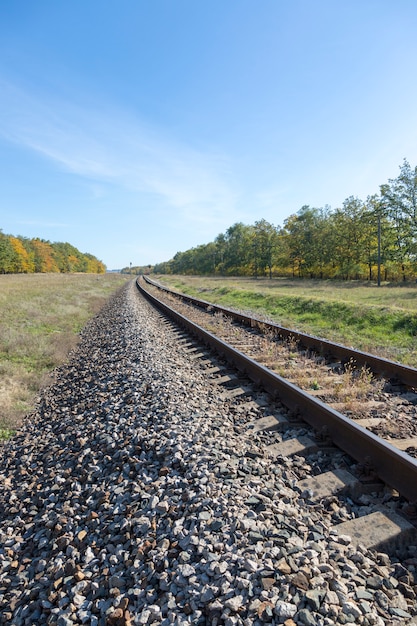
400,199
220,252
349,225
305,238
238,252
8,255
265,241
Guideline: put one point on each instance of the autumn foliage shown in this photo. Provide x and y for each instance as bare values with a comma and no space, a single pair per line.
22,255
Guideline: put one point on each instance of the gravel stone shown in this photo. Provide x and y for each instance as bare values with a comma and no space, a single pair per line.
133,494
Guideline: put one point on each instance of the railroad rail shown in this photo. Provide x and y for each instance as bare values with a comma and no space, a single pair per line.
142,489
378,365
394,467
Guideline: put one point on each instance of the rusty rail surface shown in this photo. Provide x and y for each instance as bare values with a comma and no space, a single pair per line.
378,365
394,467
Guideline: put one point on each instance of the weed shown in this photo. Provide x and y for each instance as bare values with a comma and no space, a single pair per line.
355,383
378,320
292,344
6,433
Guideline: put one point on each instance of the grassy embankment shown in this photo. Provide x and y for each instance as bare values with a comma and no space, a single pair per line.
380,320
41,316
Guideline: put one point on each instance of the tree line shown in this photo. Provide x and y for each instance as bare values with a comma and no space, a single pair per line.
23,255
375,239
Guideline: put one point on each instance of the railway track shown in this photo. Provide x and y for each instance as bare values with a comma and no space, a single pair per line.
379,394
329,350
375,464
154,484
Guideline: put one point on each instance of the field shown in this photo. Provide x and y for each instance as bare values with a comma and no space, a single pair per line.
41,316
381,320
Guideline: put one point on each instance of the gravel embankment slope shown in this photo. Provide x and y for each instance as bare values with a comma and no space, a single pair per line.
128,498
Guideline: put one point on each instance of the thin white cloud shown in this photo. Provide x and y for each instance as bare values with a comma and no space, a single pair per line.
111,147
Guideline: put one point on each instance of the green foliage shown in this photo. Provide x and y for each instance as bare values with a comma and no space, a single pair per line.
399,199
6,433
7,254
319,242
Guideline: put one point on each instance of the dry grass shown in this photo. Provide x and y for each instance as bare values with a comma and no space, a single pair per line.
41,317
348,386
382,320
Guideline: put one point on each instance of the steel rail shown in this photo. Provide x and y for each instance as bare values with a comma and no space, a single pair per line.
378,365
394,467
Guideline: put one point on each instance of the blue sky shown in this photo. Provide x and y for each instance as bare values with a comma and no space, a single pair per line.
134,129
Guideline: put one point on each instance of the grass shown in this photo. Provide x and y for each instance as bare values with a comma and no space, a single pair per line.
380,320
41,316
